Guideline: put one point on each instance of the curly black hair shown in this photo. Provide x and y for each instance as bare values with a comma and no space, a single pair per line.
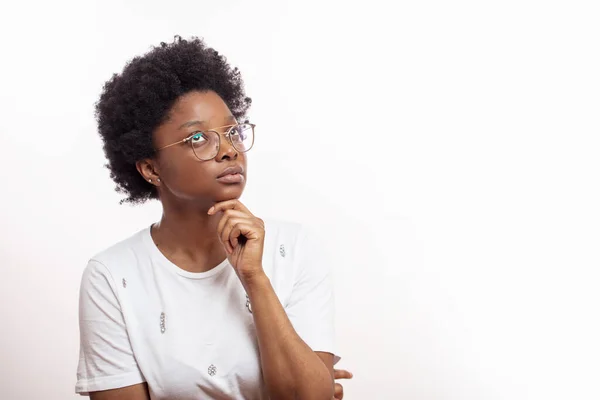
134,103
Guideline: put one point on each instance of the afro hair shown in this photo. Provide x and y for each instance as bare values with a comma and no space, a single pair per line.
134,103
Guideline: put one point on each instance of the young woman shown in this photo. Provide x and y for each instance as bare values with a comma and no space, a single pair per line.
211,302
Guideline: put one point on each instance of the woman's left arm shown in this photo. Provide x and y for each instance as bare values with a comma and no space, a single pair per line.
291,369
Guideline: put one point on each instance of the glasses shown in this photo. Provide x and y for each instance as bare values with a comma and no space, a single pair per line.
206,144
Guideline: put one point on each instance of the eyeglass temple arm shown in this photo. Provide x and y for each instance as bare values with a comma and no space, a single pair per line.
188,138
173,144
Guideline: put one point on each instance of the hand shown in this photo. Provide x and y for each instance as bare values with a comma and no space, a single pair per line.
243,236
339,389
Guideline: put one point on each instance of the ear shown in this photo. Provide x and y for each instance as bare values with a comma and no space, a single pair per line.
149,171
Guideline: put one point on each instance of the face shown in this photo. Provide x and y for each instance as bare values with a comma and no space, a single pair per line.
183,177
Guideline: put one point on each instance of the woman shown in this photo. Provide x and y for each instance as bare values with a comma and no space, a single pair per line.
212,301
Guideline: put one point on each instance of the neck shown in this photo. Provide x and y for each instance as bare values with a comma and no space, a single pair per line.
187,236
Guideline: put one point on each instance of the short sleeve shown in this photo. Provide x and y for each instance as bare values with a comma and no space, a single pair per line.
310,307
106,360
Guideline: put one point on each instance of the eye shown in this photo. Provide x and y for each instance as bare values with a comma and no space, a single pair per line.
237,133
198,137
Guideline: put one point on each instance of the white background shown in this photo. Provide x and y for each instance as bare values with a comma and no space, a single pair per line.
447,150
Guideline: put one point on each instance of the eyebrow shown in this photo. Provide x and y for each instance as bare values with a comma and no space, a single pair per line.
191,123
230,118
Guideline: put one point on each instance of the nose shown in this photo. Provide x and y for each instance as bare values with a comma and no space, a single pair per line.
226,150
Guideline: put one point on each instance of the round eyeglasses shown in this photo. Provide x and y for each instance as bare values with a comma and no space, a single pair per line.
206,144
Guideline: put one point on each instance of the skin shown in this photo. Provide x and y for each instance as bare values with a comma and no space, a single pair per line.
339,389
204,222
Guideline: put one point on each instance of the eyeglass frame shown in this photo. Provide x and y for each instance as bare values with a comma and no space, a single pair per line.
227,135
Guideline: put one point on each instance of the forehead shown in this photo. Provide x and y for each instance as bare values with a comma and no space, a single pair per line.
199,106
194,110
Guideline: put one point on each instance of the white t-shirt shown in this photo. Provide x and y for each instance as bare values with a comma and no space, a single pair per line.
192,335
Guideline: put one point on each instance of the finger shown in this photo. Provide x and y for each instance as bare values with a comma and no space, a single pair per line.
226,234
228,214
243,227
220,228
342,374
228,205
338,392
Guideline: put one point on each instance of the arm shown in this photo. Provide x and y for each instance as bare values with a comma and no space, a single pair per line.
286,338
291,369
134,392
107,368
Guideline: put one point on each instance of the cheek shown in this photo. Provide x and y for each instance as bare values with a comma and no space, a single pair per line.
185,172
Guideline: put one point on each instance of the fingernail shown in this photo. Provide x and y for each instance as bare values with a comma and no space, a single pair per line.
210,210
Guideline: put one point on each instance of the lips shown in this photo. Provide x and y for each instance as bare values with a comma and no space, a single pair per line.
231,171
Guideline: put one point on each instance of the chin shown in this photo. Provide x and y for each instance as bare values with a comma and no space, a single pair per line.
229,192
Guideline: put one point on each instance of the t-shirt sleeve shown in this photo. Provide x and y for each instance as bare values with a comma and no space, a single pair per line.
106,360
310,307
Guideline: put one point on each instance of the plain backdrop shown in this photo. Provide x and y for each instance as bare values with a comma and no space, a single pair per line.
448,151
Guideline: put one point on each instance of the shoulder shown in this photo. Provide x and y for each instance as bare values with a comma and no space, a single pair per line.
119,256
286,238
282,228
292,248
290,230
